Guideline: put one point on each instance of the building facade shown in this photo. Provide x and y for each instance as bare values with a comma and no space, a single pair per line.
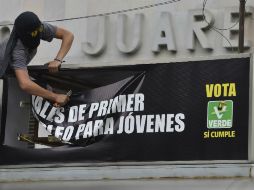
168,32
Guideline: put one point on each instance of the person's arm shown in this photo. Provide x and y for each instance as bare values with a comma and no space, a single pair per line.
31,87
67,39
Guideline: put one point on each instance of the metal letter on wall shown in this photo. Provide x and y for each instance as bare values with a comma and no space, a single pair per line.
123,42
4,31
164,35
231,27
95,42
197,26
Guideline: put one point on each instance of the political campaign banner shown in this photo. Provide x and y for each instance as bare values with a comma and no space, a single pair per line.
184,111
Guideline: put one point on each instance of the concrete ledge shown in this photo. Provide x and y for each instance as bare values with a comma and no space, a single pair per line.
126,172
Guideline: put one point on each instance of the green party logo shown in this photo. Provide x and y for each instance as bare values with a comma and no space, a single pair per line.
220,114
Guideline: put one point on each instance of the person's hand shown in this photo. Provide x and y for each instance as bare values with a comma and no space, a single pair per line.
61,100
53,66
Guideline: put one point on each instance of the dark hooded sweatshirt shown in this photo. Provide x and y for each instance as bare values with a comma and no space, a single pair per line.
20,48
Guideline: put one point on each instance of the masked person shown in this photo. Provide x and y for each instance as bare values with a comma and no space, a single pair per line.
17,51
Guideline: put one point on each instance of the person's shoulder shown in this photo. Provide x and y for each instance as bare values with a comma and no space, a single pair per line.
49,31
19,45
47,25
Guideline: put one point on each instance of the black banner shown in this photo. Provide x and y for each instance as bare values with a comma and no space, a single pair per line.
157,112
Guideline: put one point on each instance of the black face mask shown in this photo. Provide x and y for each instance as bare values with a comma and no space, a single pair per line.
28,29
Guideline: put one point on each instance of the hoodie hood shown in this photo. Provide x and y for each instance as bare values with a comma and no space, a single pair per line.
28,29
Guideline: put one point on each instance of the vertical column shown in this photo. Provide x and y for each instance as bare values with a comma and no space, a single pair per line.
251,118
